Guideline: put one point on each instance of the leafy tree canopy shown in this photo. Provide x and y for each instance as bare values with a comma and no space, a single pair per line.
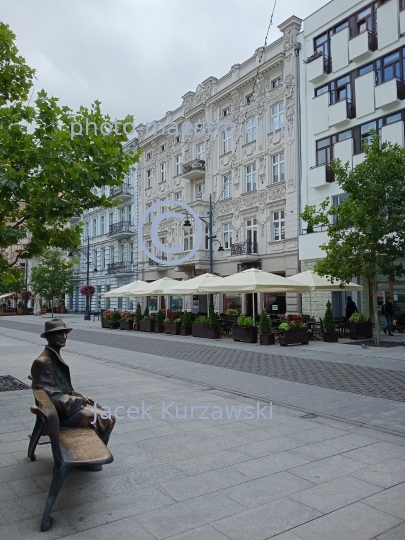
46,176
52,278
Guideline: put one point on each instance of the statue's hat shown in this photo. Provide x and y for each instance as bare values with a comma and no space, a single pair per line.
55,325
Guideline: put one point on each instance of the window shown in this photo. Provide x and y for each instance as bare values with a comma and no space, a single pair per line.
162,148
128,213
388,68
178,196
226,141
402,5
251,236
163,172
149,246
179,168
200,151
250,130
200,191
188,239
94,227
162,254
121,253
111,255
130,253
122,214
323,151
364,20
365,134
278,168
321,90
344,135
249,99
103,190
227,235
336,201
86,230
149,218
340,89
321,44
149,178
226,111
102,258
94,258
102,224
177,139
162,207
207,238
277,116
276,83
110,218
149,155
341,26
365,69
278,226
251,177
227,186
393,118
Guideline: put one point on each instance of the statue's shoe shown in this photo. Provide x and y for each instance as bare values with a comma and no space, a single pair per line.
91,467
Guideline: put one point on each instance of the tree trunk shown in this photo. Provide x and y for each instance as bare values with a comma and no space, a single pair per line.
375,312
52,308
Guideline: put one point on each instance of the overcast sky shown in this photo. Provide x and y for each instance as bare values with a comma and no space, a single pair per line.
139,56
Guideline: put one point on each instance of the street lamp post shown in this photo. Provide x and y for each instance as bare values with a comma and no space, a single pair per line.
24,264
87,253
212,238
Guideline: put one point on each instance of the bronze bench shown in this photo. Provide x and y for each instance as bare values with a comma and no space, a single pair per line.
71,448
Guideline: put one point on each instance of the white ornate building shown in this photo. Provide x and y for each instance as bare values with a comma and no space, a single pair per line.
254,189
113,239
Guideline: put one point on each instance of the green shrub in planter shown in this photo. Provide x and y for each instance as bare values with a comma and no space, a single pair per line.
232,311
146,316
138,313
160,318
358,318
265,324
329,335
244,321
186,320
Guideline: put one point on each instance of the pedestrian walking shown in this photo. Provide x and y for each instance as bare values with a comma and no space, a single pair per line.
388,310
350,308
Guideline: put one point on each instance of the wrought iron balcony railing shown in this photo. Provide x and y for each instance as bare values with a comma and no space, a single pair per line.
151,262
244,248
125,189
124,267
194,165
120,228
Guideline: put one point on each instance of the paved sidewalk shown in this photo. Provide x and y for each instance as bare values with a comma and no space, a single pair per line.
287,478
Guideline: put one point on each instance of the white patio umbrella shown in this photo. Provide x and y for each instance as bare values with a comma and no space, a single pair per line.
192,286
126,290
321,283
254,280
156,288
37,305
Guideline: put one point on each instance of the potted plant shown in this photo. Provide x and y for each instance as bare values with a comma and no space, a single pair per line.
186,324
20,308
294,331
172,325
232,311
25,296
213,324
105,320
114,318
147,324
126,321
360,327
138,317
44,308
245,330
329,328
311,217
62,306
159,322
199,327
266,335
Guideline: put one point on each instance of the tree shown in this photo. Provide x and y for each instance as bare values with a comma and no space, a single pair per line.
12,281
52,278
46,175
366,233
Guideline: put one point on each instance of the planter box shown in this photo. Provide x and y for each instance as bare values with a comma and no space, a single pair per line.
214,334
147,326
360,330
159,328
294,336
44,310
1,312
267,339
245,334
173,328
56,309
126,325
63,309
199,330
20,311
330,337
105,323
137,327
185,331
114,325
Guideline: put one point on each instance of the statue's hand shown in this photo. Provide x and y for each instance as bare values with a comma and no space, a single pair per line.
89,400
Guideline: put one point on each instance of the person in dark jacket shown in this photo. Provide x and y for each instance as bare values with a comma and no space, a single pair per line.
50,373
350,307
388,311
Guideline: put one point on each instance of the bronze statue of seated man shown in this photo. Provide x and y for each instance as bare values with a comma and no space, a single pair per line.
50,373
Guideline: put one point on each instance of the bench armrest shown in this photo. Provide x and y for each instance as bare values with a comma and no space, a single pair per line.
45,409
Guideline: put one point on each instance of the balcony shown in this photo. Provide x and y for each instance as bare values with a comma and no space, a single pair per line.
320,176
245,251
389,93
74,220
122,229
318,68
362,46
194,170
124,192
158,266
309,245
124,267
341,112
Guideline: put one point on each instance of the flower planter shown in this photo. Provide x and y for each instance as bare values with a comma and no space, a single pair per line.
294,336
246,334
360,330
137,327
267,339
199,330
20,311
159,328
56,309
173,328
105,323
331,337
1,311
125,325
186,331
147,326
63,309
214,334
114,325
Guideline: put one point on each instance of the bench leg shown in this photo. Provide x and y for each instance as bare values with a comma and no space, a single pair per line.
35,436
59,474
